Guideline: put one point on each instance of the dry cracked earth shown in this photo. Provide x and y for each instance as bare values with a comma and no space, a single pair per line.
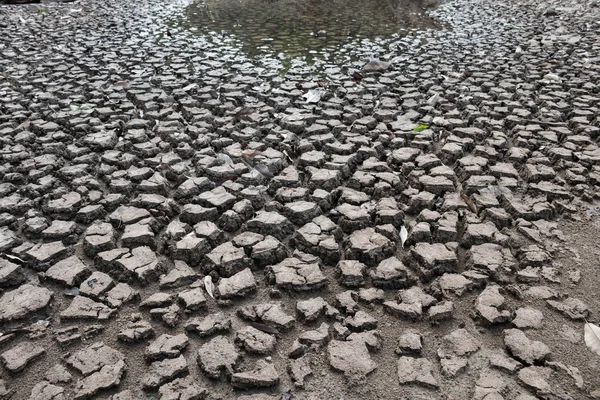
139,161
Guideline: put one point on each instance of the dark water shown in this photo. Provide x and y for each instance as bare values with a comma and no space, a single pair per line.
310,29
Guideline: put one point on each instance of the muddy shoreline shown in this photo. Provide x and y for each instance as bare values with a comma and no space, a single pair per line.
141,160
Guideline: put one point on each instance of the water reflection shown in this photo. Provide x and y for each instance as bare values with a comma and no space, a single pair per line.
307,28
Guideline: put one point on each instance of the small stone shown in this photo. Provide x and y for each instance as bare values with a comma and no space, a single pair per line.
294,274
501,361
264,374
311,309
121,294
489,385
301,212
346,301
191,249
107,377
351,273
570,334
166,346
268,251
572,371
441,312
350,357
571,307
299,369
17,358
410,343
58,374
181,275
361,321
45,253
255,341
412,311
85,308
476,234
218,355
97,238
227,260
70,272
192,299
368,246
182,389
45,391
489,305
170,316
454,350
391,273
139,234
93,358
371,295
272,223
11,274
454,283
272,314
213,323
140,262
536,378
524,349
434,259
23,301
161,372
316,337
237,285
416,370
96,285
526,317
157,300
136,331
541,292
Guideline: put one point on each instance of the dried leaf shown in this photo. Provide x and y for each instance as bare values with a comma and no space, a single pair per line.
313,96
71,292
264,328
357,77
14,259
469,202
189,87
264,171
592,337
243,114
209,286
552,77
432,101
224,159
121,84
249,154
403,235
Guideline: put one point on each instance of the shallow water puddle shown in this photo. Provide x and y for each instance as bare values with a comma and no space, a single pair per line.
309,29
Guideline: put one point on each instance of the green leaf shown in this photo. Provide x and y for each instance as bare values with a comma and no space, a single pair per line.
420,128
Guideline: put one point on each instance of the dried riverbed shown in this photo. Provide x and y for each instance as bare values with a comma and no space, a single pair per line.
181,218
